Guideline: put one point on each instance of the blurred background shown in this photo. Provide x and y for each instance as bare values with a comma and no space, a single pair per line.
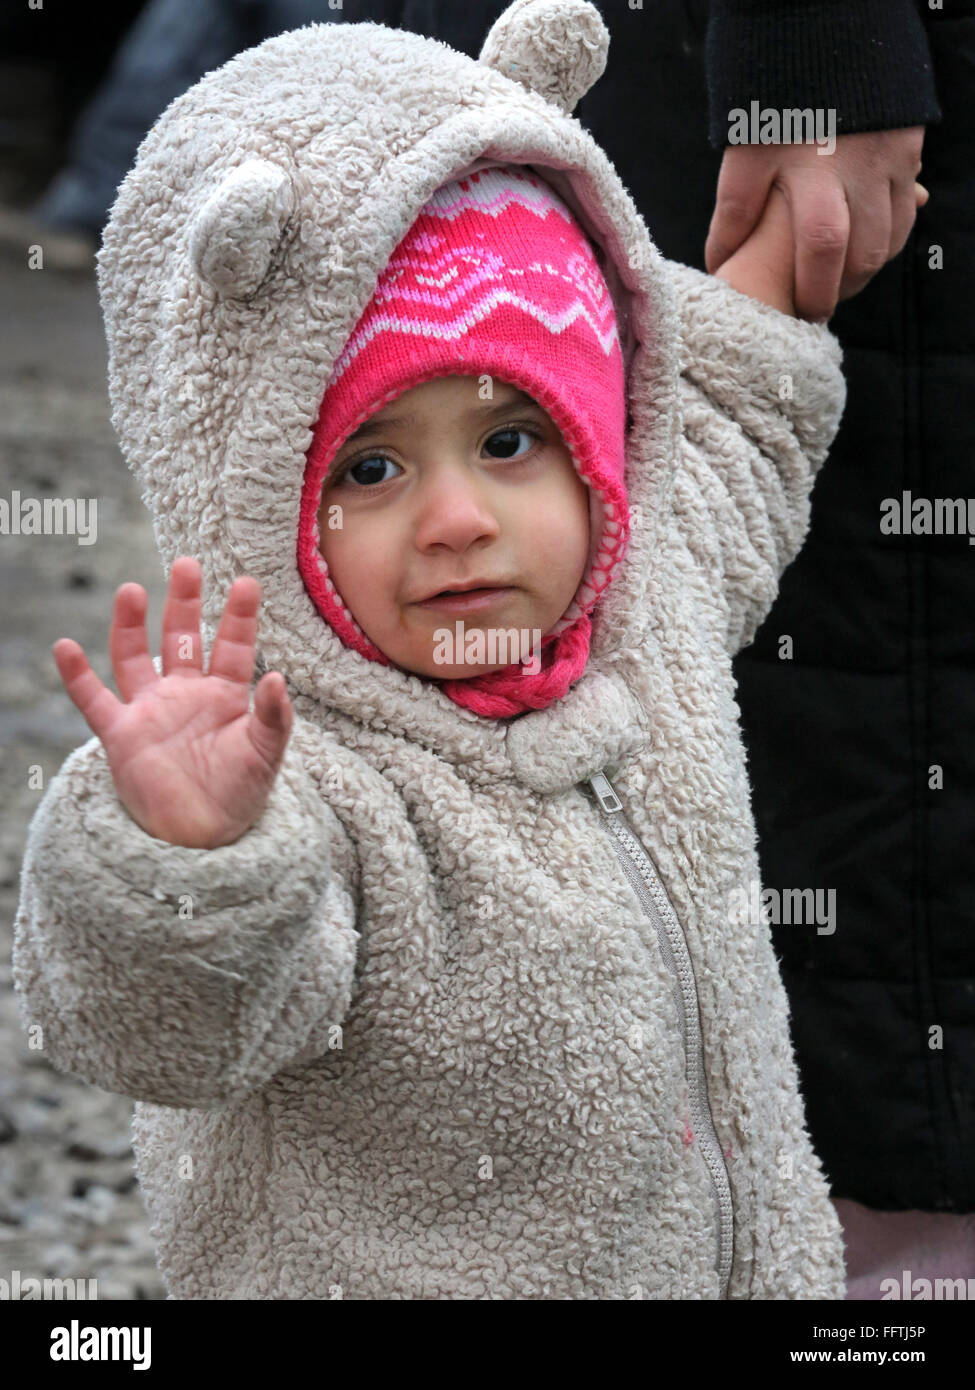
69,1205
51,62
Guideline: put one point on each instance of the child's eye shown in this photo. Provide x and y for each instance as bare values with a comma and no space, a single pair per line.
368,471
512,432
369,466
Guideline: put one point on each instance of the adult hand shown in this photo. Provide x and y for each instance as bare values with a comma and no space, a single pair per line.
852,210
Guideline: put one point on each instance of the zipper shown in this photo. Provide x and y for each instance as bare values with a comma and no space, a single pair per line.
645,878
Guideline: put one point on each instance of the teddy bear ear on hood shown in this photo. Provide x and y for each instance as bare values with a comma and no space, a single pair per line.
237,230
557,48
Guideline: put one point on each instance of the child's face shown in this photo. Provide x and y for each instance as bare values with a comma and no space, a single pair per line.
465,489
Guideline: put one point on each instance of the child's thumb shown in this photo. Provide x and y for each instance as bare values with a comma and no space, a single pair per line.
921,194
270,723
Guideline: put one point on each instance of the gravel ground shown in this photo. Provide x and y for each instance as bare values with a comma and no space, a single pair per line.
69,1201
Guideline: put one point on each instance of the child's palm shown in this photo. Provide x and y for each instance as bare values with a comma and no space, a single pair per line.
190,762
183,762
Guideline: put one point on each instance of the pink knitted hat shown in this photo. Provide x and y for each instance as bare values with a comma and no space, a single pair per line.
494,276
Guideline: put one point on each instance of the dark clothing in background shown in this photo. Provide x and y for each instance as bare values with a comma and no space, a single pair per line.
169,47
842,740
867,59
842,737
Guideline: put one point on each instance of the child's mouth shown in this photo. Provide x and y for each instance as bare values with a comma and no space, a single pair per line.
469,601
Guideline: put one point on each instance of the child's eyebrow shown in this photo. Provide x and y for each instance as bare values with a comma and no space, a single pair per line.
484,411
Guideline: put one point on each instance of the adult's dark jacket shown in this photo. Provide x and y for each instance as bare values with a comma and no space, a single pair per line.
843,737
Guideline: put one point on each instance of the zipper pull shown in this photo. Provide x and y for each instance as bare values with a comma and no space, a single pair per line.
605,795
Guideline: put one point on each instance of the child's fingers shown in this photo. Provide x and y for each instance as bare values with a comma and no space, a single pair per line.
128,644
921,194
738,202
95,701
182,646
232,656
270,723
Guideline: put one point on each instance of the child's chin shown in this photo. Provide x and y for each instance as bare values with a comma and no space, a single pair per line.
434,672
456,673
460,673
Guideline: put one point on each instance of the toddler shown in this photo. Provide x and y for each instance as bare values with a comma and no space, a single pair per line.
425,972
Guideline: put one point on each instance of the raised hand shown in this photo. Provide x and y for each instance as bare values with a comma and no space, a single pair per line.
192,764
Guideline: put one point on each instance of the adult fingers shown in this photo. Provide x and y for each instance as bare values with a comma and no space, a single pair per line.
95,701
821,227
906,197
742,191
128,644
232,656
182,646
868,249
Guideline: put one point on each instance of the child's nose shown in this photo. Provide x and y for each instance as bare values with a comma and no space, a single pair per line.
454,507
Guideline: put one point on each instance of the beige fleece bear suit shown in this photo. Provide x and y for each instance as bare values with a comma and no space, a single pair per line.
464,1015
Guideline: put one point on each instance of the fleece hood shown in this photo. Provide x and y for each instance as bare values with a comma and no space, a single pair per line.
239,255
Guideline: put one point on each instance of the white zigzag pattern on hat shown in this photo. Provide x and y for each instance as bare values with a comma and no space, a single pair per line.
480,264
461,324
492,194
465,288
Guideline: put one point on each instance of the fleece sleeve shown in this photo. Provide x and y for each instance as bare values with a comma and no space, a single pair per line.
178,976
762,395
